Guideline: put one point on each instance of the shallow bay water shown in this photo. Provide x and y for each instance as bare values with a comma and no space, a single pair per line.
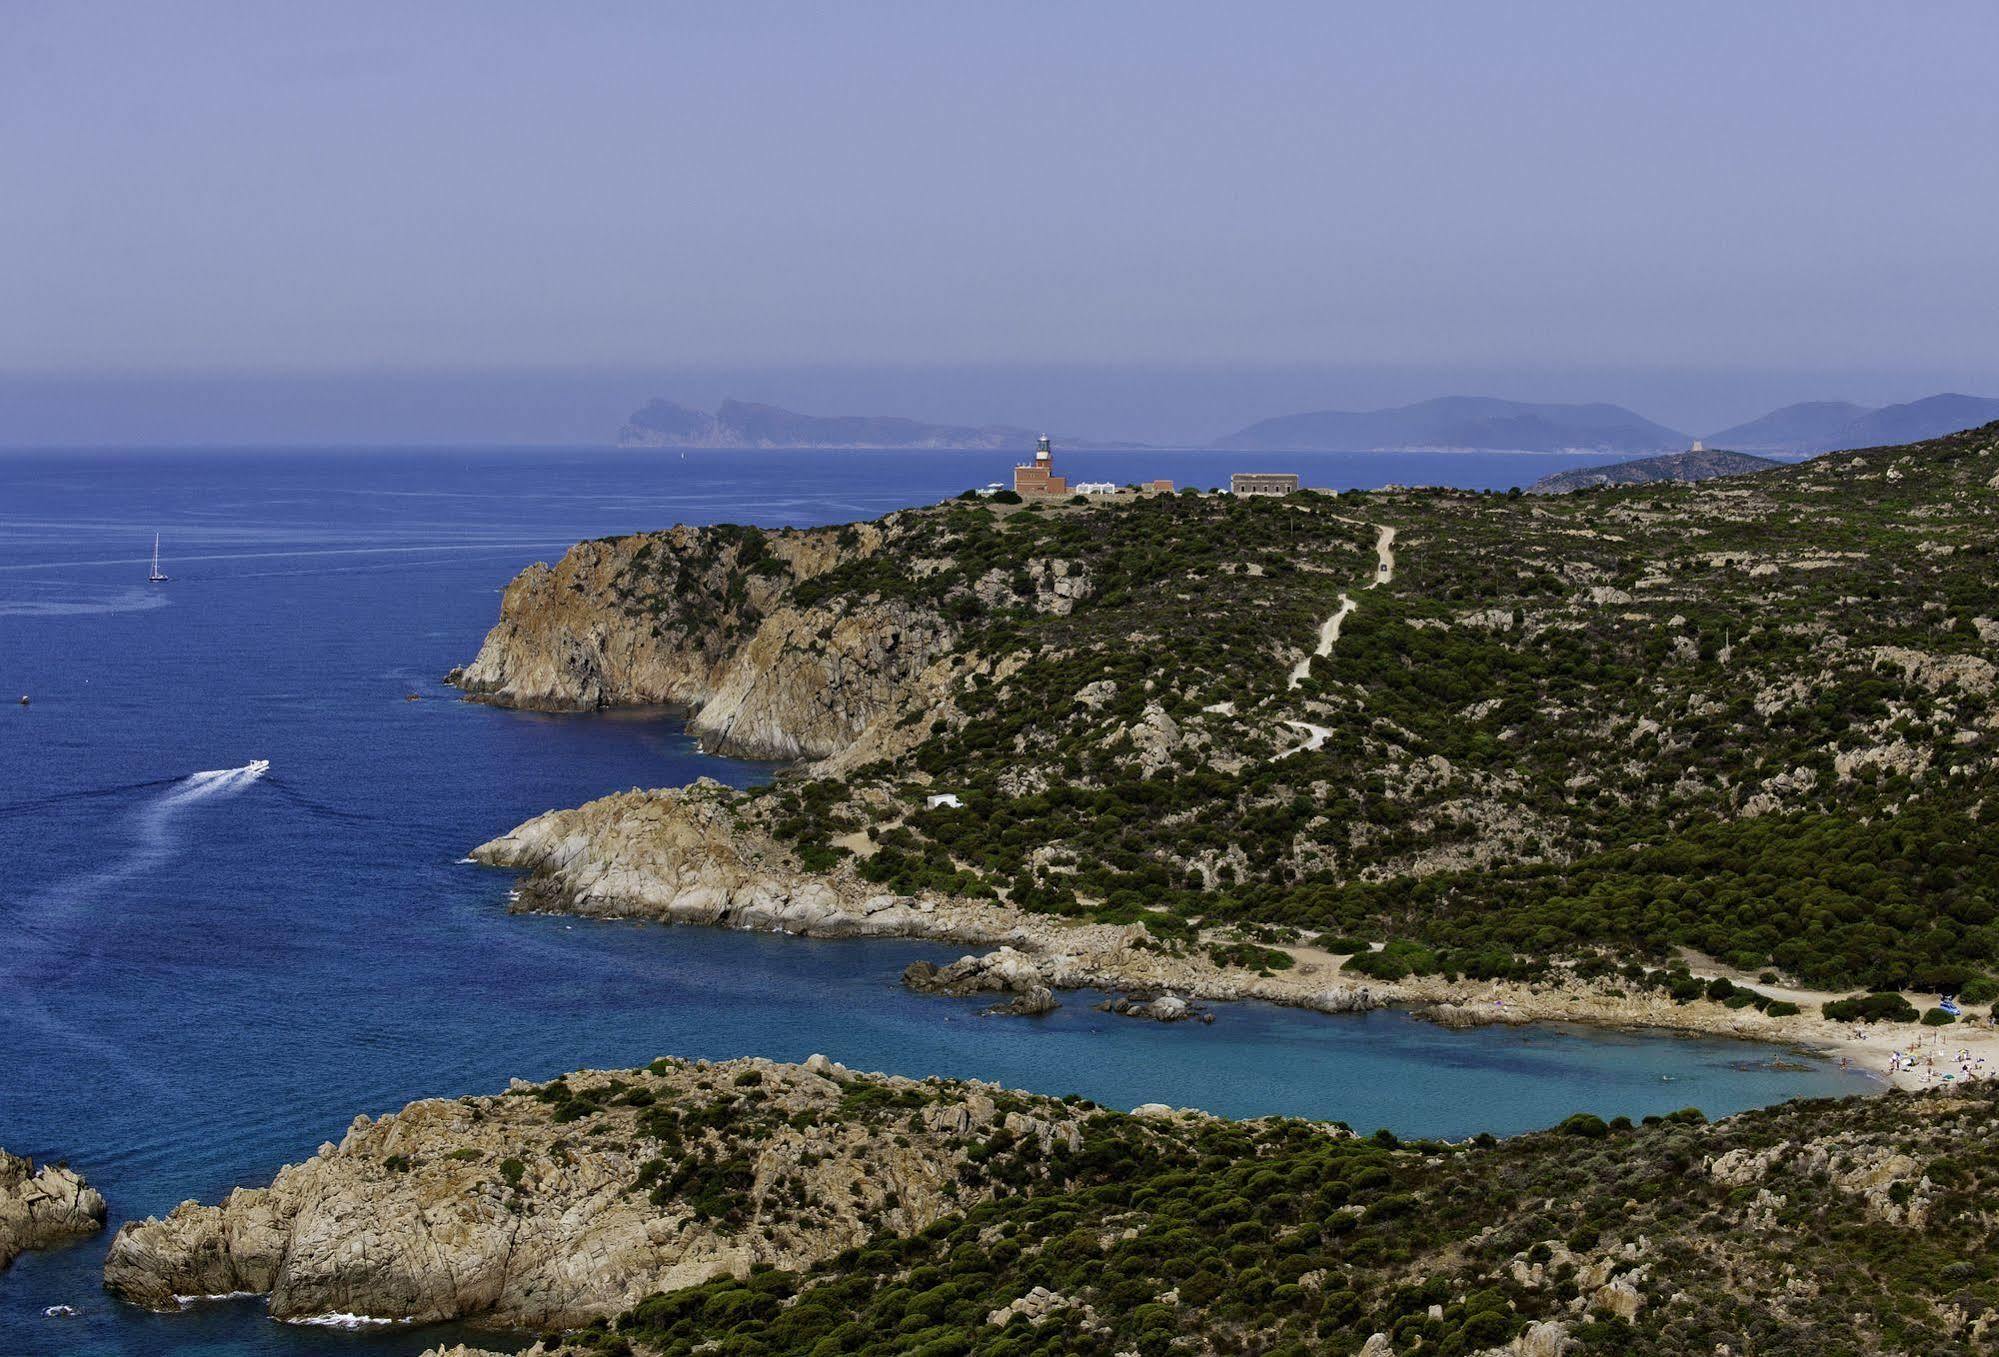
205,972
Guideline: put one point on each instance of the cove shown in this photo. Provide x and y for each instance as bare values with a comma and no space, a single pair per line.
204,979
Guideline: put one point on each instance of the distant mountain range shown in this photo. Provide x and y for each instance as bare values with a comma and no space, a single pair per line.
1448,422
1830,426
1463,422
744,424
1674,466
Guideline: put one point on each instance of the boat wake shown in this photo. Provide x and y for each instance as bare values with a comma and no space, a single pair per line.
153,838
304,802
46,937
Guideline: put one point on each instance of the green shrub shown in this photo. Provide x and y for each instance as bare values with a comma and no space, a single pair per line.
1936,1017
1983,990
1883,1007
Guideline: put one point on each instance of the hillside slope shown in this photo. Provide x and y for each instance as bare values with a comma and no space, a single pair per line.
1567,737
1809,426
769,1210
1677,466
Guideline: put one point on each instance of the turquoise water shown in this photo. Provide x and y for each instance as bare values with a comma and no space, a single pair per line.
202,978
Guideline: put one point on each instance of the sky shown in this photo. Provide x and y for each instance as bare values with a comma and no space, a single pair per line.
1705,208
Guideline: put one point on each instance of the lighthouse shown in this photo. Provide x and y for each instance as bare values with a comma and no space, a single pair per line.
1038,477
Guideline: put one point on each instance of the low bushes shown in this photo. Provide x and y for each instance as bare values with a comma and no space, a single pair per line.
1886,1007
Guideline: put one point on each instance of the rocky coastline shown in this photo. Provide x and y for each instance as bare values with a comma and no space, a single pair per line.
555,1204
697,856
985,650
41,1208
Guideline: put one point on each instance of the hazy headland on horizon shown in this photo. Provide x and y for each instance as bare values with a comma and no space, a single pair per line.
1193,405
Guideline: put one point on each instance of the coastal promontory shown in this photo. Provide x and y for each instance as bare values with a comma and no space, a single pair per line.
554,1204
769,1210
1714,755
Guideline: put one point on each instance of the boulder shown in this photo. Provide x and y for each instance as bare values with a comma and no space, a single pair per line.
40,1208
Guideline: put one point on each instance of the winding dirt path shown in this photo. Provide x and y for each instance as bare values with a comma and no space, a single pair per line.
1384,556
1329,632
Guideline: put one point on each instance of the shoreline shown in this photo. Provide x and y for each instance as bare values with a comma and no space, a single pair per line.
1011,953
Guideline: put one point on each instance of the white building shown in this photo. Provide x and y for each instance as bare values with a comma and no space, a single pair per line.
1096,488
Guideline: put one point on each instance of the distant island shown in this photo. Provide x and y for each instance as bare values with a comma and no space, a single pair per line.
1696,464
1467,422
1835,426
1447,423
746,424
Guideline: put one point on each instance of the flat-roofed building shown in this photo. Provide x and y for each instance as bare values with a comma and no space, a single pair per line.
1263,483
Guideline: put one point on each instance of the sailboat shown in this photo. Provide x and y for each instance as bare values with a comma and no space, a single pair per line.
156,577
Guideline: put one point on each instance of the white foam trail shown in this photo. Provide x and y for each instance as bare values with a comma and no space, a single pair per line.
39,923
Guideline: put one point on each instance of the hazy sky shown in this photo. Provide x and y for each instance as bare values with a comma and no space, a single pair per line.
360,186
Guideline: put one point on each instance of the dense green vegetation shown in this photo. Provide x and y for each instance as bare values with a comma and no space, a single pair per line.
1752,717
1776,1232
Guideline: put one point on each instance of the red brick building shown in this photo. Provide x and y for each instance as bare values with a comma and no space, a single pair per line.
1038,477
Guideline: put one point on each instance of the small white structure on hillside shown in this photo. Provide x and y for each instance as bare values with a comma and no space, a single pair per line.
946,799
1096,488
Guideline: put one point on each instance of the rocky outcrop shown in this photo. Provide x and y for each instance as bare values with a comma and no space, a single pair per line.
554,1204
810,683
706,618
1004,971
40,1208
1156,1008
693,856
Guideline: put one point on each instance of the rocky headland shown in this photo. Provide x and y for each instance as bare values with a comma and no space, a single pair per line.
769,1210
41,1208
556,1204
1064,735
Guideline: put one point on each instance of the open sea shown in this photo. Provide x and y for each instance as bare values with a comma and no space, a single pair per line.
206,972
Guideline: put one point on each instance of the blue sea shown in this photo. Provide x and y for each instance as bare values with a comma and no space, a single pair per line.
205,972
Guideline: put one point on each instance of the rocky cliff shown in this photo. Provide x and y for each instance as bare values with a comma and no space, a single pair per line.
557,1203
706,618
43,1207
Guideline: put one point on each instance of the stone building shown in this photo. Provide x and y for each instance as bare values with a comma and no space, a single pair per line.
1263,483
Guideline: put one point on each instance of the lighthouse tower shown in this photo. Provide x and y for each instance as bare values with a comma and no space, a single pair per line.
1038,477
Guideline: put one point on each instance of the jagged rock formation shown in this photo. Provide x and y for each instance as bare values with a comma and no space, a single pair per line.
554,1204
40,1208
703,618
